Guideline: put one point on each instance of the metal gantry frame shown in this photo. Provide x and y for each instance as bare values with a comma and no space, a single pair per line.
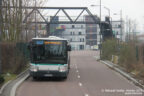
66,14
60,9
63,9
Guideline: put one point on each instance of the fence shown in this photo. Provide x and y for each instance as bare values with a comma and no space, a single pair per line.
14,56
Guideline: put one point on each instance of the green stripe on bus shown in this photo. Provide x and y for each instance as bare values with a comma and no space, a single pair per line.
47,64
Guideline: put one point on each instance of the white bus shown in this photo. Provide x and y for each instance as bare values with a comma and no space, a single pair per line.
49,57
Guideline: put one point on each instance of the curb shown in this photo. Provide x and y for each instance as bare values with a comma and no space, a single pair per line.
124,74
2,88
14,88
22,73
6,84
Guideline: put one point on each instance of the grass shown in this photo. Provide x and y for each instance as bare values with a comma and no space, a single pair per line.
8,77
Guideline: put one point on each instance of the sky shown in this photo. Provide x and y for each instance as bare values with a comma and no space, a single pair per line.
132,9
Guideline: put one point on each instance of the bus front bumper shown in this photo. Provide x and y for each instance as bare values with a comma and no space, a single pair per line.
48,74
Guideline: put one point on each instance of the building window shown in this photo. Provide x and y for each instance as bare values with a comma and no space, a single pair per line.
71,40
73,26
83,39
81,26
119,26
81,47
117,33
73,33
79,33
70,33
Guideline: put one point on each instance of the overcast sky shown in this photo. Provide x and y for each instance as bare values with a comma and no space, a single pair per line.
133,9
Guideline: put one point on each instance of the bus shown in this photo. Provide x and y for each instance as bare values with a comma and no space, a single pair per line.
49,57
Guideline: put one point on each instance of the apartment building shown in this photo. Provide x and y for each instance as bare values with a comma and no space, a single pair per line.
76,34
92,33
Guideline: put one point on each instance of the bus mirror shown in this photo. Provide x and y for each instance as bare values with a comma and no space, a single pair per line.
69,48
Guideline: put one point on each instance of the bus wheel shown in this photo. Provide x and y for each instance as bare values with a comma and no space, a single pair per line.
35,78
65,77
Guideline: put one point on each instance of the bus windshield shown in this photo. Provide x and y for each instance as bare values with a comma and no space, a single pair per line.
49,52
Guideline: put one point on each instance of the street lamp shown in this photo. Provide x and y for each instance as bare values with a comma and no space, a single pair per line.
103,7
120,23
109,13
0,34
108,10
100,20
35,21
100,29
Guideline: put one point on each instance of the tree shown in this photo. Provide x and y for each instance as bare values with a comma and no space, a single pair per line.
12,27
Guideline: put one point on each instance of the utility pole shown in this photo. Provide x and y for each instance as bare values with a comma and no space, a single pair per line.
121,24
100,34
0,34
100,28
127,22
129,29
35,21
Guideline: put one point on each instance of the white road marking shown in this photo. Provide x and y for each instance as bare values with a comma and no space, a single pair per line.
77,71
130,82
86,95
78,76
80,84
76,66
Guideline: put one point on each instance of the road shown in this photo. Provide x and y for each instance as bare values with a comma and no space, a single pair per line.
87,77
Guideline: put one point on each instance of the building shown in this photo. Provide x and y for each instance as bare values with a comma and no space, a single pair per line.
76,34
81,36
92,33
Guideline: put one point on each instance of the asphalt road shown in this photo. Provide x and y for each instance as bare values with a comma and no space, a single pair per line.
87,77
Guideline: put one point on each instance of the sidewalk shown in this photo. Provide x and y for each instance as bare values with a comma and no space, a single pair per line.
122,72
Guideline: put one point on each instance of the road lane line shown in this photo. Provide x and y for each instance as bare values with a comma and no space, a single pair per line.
76,66
86,95
77,71
80,84
78,76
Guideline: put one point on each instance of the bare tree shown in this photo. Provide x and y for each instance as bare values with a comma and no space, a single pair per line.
12,18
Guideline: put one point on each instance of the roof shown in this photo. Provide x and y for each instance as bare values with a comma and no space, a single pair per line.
49,38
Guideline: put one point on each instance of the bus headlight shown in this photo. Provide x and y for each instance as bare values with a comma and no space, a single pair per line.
62,68
34,68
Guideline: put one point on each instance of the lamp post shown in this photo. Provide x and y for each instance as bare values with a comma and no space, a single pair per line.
103,7
100,22
0,34
108,10
35,21
100,28
109,13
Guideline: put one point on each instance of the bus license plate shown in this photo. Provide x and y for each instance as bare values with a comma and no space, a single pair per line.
48,75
